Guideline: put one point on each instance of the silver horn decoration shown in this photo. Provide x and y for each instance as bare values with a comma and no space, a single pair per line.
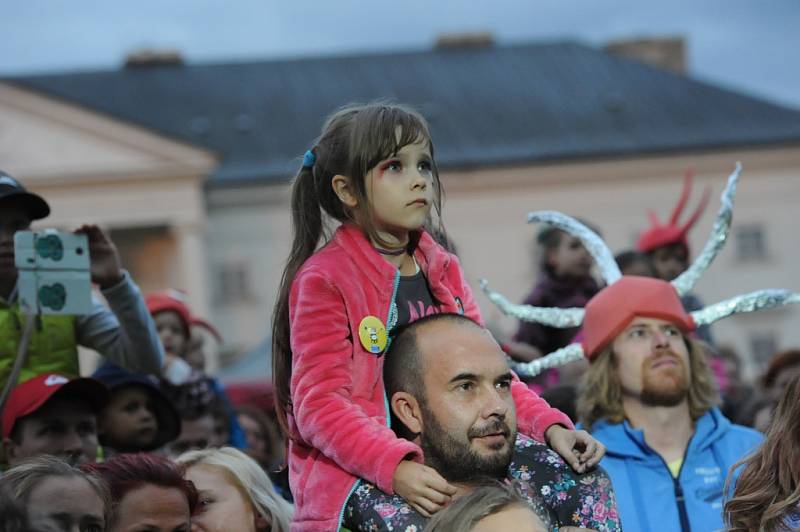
591,241
561,318
761,299
684,283
559,357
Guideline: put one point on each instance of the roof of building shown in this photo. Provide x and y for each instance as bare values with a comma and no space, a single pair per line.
492,105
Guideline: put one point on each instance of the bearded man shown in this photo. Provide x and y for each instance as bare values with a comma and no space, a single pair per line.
650,398
449,386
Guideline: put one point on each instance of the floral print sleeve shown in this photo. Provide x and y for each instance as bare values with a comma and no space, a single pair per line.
555,492
583,500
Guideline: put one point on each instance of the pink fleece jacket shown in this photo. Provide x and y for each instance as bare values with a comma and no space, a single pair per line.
339,427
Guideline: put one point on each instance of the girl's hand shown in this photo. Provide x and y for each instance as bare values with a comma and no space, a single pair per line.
422,487
577,447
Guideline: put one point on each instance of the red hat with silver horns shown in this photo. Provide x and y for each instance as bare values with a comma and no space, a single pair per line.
611,310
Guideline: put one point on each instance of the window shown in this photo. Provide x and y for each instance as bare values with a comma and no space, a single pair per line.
750,243
233,283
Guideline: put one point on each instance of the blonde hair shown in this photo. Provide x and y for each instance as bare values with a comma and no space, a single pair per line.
601,392
251,479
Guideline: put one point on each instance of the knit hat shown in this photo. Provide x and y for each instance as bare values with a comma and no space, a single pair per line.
170,300
613,308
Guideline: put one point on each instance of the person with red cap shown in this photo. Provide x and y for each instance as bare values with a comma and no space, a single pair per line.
648,394
53,415
667,245
173,320
123,333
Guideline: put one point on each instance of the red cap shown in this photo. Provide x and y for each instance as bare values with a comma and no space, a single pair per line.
672,232
167,300
614,307
27,397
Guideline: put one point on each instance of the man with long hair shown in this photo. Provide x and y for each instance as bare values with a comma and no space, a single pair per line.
650,398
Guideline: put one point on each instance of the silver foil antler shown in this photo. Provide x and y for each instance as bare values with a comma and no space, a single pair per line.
591,241
761,299
553,317
684,283
560,357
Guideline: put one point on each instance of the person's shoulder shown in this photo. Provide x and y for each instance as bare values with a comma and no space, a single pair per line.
737,438
369,508
745,434
327,262
528,451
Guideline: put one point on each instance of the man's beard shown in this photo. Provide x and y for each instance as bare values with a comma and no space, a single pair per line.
667,388
455,460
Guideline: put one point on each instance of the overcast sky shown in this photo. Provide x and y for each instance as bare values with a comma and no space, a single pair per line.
748,45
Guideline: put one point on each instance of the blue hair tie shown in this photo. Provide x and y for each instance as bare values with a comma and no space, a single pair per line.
309,159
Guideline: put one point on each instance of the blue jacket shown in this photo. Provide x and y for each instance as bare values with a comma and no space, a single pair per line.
648,495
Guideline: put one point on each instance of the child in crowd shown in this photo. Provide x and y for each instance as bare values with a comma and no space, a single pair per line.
667,245
138,416
174,323
566,282
373,170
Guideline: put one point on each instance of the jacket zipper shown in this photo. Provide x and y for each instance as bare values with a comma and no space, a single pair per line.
680,499
391,321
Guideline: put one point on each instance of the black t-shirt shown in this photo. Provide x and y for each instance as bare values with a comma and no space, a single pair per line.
414,299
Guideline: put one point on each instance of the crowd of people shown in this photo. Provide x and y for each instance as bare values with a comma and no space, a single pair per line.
395,407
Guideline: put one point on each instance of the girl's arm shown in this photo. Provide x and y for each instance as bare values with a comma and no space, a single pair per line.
534,415
322,388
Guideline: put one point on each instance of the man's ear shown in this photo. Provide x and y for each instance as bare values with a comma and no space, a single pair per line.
406,408
343,188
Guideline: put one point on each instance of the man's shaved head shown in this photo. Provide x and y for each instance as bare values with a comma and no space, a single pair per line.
404,365
449,386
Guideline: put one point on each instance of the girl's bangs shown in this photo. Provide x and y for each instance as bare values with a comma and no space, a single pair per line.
379,139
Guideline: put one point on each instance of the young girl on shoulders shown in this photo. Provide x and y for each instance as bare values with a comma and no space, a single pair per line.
372,170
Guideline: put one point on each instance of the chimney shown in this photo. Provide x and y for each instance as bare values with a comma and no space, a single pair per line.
149,58
668,53
456,41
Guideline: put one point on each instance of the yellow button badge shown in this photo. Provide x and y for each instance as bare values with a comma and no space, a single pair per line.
372,334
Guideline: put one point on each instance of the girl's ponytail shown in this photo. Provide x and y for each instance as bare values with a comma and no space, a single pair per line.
307,230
